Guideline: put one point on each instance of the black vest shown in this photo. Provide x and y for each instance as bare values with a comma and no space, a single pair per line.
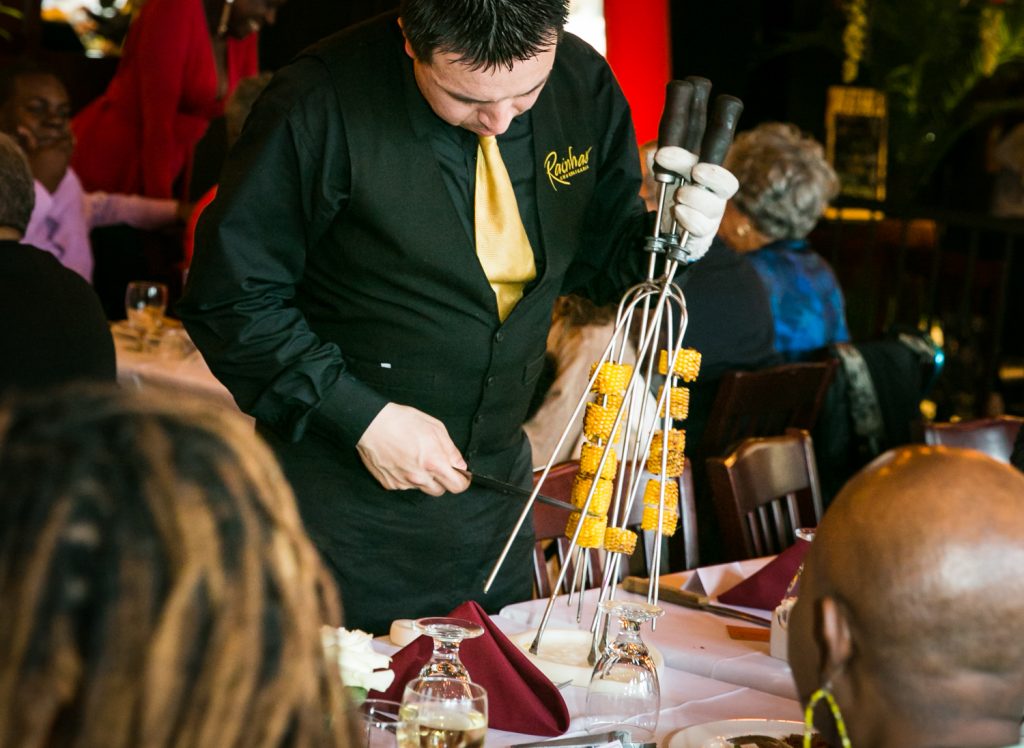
396,282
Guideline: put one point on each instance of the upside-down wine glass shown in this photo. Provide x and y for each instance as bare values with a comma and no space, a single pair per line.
624,693
448,634
793,588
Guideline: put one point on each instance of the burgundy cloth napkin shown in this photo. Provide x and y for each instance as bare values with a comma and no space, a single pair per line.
766,588
520,698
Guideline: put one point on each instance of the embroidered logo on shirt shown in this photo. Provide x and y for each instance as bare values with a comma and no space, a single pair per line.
560,171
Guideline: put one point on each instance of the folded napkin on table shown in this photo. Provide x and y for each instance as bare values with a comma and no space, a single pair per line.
766,588
520,698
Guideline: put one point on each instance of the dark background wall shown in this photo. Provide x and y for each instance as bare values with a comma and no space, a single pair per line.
730,42
738,45
746,47
302,22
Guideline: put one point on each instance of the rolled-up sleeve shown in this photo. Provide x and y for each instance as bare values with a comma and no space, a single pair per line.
285,181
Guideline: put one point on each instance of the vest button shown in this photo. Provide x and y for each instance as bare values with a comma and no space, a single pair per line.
499,336
489,381
478,418
471,453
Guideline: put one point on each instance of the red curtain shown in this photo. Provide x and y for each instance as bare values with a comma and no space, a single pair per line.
639,53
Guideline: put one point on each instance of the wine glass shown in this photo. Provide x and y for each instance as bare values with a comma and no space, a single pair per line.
447,634
377,723
624,693
793,588
443,712
145,303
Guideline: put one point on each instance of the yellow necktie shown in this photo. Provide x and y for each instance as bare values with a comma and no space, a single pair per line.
501,242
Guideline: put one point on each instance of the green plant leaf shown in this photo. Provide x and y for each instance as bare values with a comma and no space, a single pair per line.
927,57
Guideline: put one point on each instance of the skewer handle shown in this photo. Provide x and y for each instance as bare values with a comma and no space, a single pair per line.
724,117
675,118
698,113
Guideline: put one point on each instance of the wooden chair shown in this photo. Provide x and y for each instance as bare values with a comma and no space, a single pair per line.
763,491
549,528
687,531
766,403
993,436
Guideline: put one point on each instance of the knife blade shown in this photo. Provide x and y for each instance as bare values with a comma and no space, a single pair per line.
486,481
691,600
580,741
587,741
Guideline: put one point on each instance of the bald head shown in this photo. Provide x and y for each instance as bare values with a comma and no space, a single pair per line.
922,558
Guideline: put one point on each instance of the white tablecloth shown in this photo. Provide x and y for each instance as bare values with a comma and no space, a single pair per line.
140,369
686,700
707,677
690,640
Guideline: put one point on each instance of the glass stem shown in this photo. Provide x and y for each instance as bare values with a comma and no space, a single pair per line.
629,631
446,651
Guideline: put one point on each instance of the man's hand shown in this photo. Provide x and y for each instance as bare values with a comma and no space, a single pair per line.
47,157
405,448
698,207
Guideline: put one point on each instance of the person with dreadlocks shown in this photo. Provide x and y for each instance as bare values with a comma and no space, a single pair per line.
156,585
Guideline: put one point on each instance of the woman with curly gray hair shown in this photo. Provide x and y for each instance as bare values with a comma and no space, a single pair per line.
785,186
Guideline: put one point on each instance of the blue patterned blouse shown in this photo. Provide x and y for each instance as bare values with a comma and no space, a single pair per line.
805,297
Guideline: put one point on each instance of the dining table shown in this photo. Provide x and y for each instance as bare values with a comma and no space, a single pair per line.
686,700
690,640
169,360
707,675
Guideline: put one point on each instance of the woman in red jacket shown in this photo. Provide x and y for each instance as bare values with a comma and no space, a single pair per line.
181,60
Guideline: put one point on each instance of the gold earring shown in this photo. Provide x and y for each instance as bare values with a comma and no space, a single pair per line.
225,16
742,230
824,693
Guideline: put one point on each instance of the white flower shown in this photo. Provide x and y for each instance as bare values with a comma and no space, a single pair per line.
361,667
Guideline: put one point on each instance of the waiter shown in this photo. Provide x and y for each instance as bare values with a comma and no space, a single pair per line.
375,279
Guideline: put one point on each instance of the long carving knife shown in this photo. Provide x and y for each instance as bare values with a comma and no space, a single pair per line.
494,484
692,600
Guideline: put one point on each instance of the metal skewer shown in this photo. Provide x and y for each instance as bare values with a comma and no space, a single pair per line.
658,300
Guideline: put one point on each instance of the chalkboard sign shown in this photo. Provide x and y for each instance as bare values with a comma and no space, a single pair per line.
856,142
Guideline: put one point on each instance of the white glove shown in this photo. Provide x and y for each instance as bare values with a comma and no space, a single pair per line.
677,160
699,206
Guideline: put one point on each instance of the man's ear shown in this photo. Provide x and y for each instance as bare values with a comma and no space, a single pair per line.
836,636
408,47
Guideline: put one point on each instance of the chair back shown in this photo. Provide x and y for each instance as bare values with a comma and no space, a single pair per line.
766,403
993,436
549,528
763,491
686,533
